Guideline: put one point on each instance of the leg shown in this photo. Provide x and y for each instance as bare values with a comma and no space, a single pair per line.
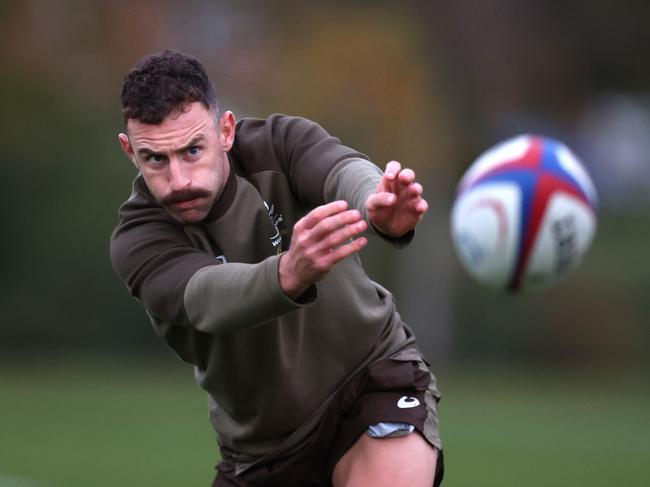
387,462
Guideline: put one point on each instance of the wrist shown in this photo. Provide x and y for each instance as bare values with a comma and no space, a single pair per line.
398,242
384,232
290,286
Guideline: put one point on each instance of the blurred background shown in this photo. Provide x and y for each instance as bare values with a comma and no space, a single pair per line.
549,388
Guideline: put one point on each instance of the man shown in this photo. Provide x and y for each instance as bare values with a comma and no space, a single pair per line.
240,240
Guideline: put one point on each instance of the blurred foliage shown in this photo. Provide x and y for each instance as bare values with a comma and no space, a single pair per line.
429,83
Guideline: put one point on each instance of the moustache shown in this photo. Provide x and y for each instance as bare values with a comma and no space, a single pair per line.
185,195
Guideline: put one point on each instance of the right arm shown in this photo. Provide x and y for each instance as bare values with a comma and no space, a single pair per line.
182,286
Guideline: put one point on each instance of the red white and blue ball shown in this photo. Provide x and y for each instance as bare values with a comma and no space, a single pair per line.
524,214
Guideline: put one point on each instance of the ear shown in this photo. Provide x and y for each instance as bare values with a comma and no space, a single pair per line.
227,130
127,148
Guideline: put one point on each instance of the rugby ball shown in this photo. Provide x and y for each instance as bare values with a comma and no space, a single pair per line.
524,214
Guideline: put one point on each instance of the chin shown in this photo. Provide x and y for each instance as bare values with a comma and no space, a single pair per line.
188,217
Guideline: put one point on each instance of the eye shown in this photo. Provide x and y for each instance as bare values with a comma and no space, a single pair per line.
194,150
154,158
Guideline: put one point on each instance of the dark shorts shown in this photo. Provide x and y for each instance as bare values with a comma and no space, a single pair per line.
386,391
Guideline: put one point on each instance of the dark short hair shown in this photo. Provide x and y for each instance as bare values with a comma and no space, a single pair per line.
162,83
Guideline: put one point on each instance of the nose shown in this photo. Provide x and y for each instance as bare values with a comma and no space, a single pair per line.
178,175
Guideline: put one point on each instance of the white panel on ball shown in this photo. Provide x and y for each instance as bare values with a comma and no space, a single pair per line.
569,162
563,238
485,232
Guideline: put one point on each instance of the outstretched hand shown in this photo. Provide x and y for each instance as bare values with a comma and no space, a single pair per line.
397,205
320,239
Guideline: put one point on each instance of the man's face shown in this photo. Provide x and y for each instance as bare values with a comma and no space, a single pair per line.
183,159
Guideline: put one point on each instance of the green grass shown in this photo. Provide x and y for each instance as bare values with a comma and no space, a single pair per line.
529,428
100,424
139,423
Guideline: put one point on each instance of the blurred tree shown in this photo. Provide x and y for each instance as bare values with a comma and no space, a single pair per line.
430,83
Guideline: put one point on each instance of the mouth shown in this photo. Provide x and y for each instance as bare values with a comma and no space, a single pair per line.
186,204
187,200
190,210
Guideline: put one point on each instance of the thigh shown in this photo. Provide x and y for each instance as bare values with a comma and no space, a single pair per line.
402,390
391,462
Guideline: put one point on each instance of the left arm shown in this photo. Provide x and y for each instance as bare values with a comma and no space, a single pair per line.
321,170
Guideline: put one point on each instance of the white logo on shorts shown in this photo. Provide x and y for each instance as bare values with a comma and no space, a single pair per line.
406,402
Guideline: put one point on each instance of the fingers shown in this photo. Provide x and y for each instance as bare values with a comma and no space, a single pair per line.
336,237
397,180
415,192
318,214
398,186
320,239
406,177
397,205
343,251
380,200
334,222
415,189
392,170
324,220
327,227
421,206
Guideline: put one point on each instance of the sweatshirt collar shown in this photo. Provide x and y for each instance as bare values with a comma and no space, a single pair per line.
226,198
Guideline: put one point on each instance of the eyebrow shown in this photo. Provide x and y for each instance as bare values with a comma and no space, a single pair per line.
148,152
191,143
143,151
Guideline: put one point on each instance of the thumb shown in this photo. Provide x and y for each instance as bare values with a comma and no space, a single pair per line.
380,200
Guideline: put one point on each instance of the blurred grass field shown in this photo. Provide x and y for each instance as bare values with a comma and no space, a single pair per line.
133,422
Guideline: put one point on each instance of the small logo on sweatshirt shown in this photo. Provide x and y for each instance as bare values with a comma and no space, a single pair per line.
276,219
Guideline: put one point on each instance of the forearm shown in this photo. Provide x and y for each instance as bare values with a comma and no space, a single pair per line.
353,181
232,297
